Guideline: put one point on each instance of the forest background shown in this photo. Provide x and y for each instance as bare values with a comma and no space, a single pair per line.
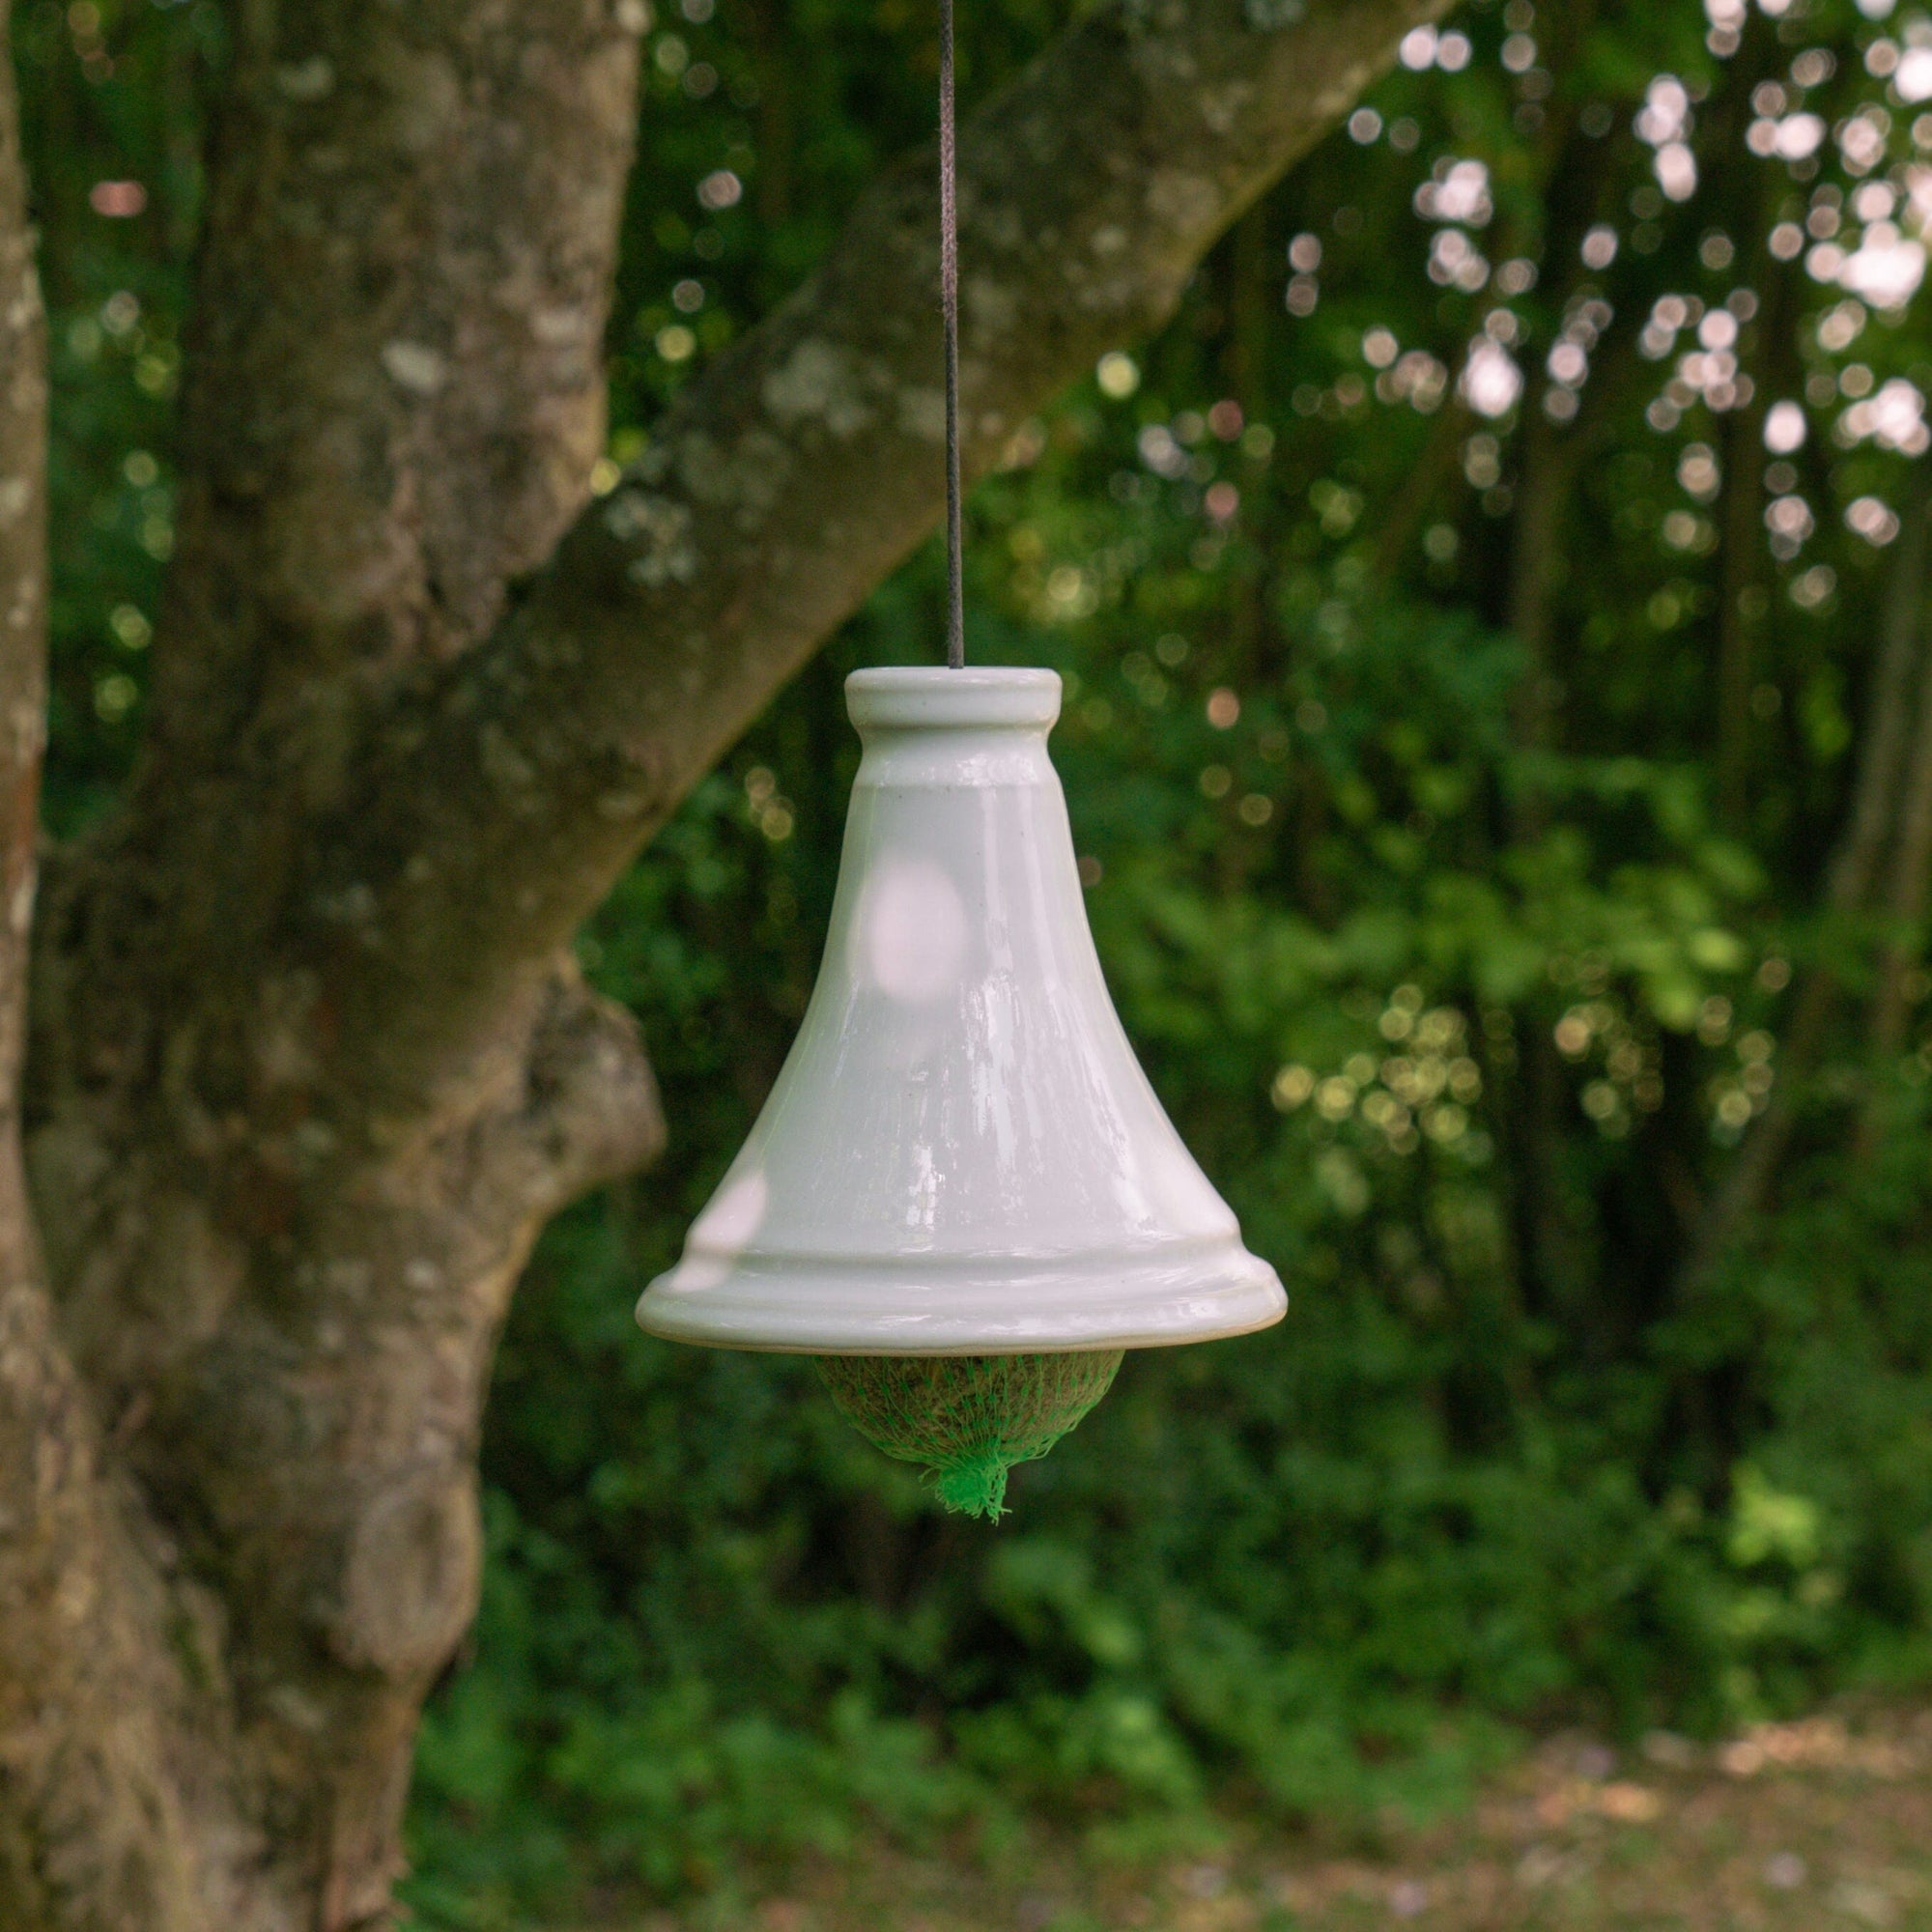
1498,739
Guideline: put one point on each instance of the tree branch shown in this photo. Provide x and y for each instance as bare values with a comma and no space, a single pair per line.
786,484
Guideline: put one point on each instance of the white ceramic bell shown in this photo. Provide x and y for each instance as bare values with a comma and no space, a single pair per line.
962,1154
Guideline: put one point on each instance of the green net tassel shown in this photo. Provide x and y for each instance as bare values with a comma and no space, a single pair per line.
968,1418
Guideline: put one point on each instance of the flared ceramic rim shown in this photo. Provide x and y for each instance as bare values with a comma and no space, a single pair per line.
912,1308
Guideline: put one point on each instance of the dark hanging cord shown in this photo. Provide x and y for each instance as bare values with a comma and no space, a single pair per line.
948,296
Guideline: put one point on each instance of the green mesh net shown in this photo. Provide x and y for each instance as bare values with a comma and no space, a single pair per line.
968,1418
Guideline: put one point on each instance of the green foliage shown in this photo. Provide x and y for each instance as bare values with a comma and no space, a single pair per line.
112,99
1455,786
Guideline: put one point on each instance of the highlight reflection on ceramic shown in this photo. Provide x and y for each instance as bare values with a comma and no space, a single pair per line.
961,1154
912,928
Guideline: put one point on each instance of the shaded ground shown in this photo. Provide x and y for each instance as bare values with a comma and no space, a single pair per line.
1824,1826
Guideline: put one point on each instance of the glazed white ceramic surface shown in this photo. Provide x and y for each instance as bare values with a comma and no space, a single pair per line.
962,1154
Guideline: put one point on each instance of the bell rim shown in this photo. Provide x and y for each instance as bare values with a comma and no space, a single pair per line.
1105,1300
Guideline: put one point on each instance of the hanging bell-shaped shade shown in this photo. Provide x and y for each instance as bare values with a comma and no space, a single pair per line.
961,1155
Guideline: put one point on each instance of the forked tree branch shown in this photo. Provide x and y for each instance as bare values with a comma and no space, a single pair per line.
787,483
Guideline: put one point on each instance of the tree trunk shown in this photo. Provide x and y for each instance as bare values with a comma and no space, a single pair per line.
1740,612
309,1065
1886,784
1908,879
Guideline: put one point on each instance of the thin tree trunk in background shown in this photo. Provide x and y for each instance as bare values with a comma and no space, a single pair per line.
1550,1222
1744,604
1889,707
1550,1219
1877,798
1251,300
1741,612
1548,466
778,127
1251,297
1402,522
1908,880
1536,575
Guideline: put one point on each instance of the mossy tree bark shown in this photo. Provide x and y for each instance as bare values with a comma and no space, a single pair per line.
306,1065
